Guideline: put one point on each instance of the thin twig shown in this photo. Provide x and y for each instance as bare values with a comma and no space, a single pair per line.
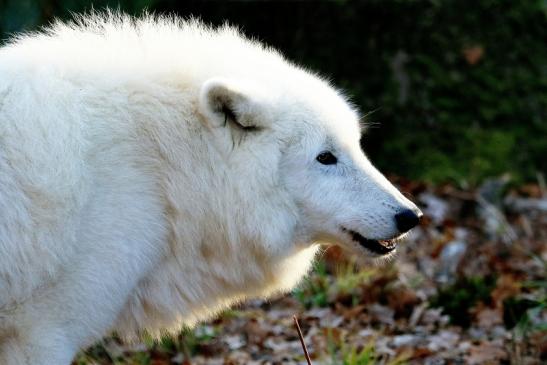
302,340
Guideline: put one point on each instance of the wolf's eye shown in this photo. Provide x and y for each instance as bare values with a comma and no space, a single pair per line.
326,158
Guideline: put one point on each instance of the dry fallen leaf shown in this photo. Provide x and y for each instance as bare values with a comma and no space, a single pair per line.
489,317
486,353
473,54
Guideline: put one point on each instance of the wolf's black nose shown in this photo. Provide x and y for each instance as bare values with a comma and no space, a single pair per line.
407,219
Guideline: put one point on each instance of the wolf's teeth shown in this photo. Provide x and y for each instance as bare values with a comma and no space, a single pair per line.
388,243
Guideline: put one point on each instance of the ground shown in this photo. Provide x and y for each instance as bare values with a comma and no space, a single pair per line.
468,287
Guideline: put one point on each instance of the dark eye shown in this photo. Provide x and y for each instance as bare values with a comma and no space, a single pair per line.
327,158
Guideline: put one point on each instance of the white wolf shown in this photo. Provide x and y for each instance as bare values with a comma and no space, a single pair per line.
154,171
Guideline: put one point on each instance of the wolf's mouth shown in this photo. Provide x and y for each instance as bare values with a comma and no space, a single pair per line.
380,247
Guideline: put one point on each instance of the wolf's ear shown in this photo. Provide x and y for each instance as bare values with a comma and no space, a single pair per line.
225,102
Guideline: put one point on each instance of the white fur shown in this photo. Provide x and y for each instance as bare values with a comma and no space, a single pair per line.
130,202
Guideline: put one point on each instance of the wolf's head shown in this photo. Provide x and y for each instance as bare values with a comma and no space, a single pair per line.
302,137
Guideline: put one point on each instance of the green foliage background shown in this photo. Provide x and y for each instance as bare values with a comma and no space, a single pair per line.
437,114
